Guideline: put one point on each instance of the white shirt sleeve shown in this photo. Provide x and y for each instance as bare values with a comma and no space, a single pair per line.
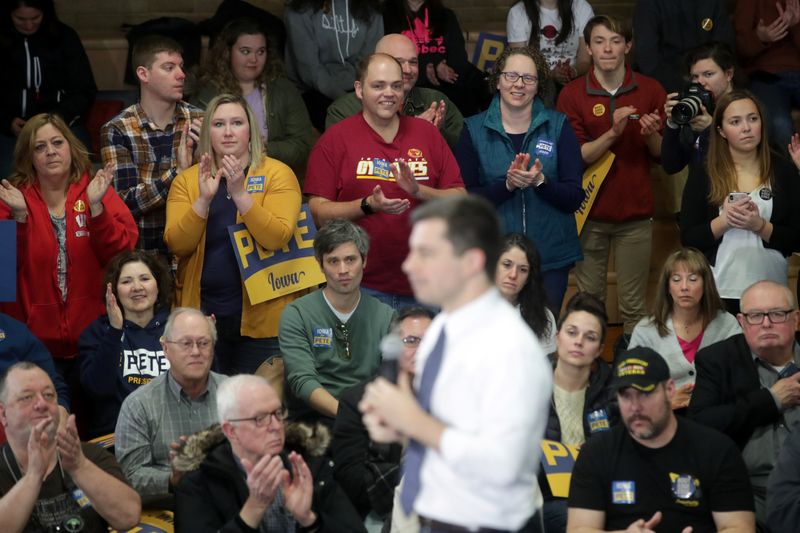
582,13
518,25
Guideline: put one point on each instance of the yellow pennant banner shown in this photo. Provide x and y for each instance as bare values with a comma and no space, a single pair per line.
268,274
592,180
557,462
154,521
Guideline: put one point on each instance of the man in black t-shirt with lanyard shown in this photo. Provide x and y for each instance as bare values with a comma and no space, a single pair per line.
657,472
49,480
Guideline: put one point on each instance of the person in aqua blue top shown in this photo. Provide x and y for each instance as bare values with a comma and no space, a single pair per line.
526,160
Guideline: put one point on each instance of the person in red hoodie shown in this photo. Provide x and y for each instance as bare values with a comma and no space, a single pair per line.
69,226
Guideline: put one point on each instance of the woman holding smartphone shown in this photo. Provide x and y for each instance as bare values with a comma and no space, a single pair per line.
740,207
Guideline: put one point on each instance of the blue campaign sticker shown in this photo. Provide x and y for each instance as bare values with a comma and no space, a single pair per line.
323,337
381,168
598,421
623,492
81,499
254,184
544,148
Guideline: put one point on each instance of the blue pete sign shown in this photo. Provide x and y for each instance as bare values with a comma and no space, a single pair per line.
268,274
487,49
8,261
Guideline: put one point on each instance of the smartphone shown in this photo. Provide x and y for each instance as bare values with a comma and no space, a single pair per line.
736,196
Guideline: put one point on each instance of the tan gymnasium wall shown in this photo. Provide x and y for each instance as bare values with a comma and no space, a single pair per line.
104,15
99,23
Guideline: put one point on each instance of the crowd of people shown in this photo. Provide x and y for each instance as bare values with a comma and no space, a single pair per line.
444,200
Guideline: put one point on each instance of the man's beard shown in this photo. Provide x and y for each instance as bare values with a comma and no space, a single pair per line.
50,430
655,429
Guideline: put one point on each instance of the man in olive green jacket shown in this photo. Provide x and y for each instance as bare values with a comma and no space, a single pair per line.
428,104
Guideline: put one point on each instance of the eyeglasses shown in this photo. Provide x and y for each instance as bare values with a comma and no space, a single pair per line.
342,335
203,344
262,420
527,79
777,316
411,340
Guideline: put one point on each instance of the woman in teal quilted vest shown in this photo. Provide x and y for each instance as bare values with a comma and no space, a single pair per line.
526,160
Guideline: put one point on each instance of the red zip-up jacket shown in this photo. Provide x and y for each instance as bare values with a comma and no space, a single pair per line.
91,242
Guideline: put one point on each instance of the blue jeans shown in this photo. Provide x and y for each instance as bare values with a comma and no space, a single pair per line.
555,515
555,286
238,354
778,93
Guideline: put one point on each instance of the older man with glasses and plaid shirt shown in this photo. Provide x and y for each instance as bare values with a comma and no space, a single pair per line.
176,404
748,386
330,339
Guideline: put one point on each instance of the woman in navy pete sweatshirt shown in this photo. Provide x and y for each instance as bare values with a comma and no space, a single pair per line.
121,350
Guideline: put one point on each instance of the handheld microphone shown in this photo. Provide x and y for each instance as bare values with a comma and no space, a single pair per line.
392,348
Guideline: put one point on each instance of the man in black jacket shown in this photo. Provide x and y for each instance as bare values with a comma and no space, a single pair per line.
368,471
274,493
240,476
748,386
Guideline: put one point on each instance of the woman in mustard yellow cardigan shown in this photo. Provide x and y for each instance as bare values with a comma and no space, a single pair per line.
232,184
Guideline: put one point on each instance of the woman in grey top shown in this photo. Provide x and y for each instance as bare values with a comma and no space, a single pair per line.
688,315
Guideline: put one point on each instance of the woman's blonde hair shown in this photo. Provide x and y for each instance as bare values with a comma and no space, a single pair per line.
721,171
22,170
255,133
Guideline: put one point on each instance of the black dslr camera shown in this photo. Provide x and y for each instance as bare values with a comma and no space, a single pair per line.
689,102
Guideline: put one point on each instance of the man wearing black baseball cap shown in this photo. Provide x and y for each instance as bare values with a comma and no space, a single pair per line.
657,471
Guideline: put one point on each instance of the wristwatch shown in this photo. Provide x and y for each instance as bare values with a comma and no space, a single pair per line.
365,207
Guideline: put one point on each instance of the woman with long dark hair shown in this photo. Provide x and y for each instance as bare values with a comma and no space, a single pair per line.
583,402
740,207
121,350
519,279
45,70
240,62
443,62
555,28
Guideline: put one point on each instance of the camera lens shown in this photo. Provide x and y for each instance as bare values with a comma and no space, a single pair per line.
685,110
